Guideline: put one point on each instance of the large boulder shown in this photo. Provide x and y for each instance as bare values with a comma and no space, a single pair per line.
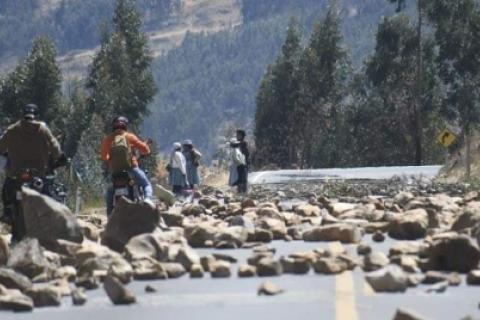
269,267
173,219
148,269
48,220
338,208
333,265
187,257
174,270
469,218
27,258
389,279
236,236
90,250
346,233
44,296
276,226
269,289
220,269
14,280
453,253
247,271
295,265
128,220
404,314
146,245
473,278
90,230
118,294
4,251
198,235
307,210
268,210
79,297
403,198
374,261
411,225
14,300
121,268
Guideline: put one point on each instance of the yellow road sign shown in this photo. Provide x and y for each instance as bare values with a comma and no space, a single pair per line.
446,138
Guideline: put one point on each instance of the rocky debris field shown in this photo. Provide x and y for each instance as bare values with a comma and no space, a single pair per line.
66,257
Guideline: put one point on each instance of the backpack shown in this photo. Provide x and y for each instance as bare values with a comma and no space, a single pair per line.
120,154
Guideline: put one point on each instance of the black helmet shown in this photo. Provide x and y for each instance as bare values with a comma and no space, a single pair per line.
30,111
120,123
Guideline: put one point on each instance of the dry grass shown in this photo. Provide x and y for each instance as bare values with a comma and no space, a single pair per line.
454,170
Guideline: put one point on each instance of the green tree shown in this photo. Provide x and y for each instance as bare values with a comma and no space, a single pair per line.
120,80
323,73
36,80
419,88
276,103
391,78
79,118
457,33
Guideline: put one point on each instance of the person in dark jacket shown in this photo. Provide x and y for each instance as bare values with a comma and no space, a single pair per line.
243,171
26,144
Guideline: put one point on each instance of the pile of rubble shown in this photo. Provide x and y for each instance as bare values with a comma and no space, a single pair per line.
65,257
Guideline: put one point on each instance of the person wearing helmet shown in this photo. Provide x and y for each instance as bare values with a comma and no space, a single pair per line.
118,161
27,144
178,169
192,157
237,162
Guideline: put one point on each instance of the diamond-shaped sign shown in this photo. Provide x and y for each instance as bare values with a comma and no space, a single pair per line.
446,138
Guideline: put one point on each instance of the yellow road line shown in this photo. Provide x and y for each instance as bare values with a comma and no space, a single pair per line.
345,305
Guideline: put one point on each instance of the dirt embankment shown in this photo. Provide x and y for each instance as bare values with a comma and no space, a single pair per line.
455,168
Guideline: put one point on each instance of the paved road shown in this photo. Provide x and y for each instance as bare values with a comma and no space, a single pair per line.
341,297
285,176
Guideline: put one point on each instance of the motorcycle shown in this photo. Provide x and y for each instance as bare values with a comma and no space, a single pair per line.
124,185
30,178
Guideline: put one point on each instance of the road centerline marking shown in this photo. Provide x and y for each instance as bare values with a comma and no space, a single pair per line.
345,305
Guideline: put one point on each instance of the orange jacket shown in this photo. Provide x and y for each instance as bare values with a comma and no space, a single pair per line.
134,142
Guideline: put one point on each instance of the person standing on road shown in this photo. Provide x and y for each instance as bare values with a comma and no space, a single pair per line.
192,157
238,165
243,171
178,169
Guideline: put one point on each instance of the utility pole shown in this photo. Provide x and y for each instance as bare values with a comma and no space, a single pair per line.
419,90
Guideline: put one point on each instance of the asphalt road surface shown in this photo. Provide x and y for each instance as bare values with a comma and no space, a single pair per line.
378,173
342,297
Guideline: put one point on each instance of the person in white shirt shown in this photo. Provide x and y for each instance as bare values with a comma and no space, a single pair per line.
178,169
237,164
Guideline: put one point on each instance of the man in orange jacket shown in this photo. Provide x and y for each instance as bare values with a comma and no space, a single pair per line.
119,127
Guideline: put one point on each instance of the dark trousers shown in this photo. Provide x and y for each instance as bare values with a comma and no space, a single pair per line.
8,198
242,182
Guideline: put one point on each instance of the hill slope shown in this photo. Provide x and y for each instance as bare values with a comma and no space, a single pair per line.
209,83
75,26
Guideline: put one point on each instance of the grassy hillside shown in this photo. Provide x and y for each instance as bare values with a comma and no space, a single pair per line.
73,24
